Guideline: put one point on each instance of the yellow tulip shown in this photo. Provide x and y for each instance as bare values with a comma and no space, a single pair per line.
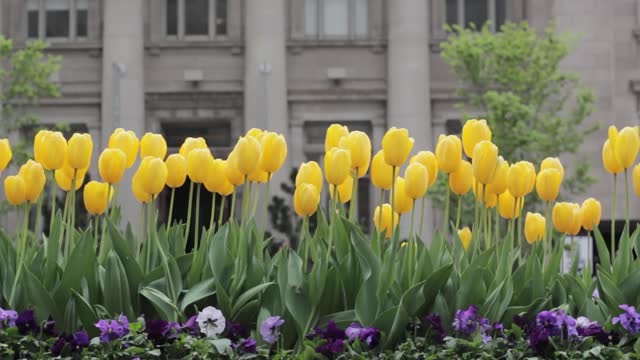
335,132
234,176
382,217
127,141
153,172
485,161
190,144
381,172
490,200
306,199
465,237
153,145
256,133
627,146
38,145
416,178
396,145
609,159
636,179
310,173
402,203
521,178
5,153
177,170
96,197
274,152
448,153
54,150
612,134
199,163
337,165
79,151
258,176
247,154
15,190
428,160
138,189
590,213
534,227
359,145
576,223
564,217
552,163
34,179
111,165
548,184
473,132
64,177
461,180
216,177
225,188
345,190
507,205
499,183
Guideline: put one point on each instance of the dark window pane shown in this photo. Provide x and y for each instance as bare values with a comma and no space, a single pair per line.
196,17
452,12
475,11
172,17
221,17
501,13
57,23
217,133
453,127
32,23
364,204
82,16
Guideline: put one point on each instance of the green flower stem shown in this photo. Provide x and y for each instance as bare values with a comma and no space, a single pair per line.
188,228
21,253
213,211
304,242
246,195
353,204
547,230
459,212
71,214
626,193
102,251
393,198
497,210
411,243
36,228
140,231
222,205
170,218
265,209
424,202
233,204
197,223
445,226
54,193
613,218
96,225
147,245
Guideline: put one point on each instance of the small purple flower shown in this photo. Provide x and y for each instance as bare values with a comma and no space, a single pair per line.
26,322
49,328
235,331
58,346
191,326
333,338
8,318
269,329
245,346
369,335
550,321
629,319
435,323
465,320
156,329
332,346
331,331
79,340
586,327
571,325
113,329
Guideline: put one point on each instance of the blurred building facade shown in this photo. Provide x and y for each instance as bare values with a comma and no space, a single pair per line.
216,68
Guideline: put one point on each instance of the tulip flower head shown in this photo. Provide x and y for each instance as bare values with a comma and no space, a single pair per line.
38,145
111,164
176,170
552,163
402,203
534,227
465,236
234,176
153,175
428,160
416,178
216,178
334,134
521,178
306,199
567,217
247,154
499,183
507,205
310,173
397,146
609,159
199,163
485,161
96,197
473,132
15,190
382,219
65,176
52,149
337,165
590,212
448,153
5,153
345,190
191,143
138,189
79,151
627,145
381,172
153,145
548,184
127,141
274,152
34,179
461,180
359,145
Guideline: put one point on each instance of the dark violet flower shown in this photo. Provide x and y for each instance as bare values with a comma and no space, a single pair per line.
353,331
331,331
191,326
79,340
538,338
522,322
58,346
629,319
550,321
465,320
332,346
586,327
156,329
49,328
113,329
269,329
434,322
235,331
245,346
370,336
571,324
26,322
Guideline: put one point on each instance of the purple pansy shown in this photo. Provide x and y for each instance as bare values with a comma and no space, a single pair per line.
8,318
333,338
468,321
245,346
161,330
78,341
434,322
629,319
49,328
58,345
368,335
550,321
333,346
269,329
26,322
113,329
191,326
235,331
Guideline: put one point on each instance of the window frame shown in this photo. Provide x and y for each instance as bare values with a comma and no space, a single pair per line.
351,22
42,22
491,11
181,23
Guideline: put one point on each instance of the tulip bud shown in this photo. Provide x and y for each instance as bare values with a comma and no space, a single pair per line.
548,184
448,153
256,133
79,151
521,178
507,205
534,227
34,179
274,152
428,160
5,153
234,176
499,183
310,173
247,153
153,145
396,145
337,165
54,150
416,179
199,163
402,203
552,163
344,190
127,141
190,144
359,145
473,132
111,165
485,161
64,177
138,188
306,199
609,159
15,190
590,213
381,172
38,145
176,170
153,172
382,218
216,177
335,132
563,216
576,220
96,197
465,237
461,180
626,147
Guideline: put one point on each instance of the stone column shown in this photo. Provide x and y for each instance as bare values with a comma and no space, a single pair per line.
408,78
123,100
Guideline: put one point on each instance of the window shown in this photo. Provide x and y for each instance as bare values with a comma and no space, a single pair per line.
217,133
57,19
478,12
331,19
195,19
